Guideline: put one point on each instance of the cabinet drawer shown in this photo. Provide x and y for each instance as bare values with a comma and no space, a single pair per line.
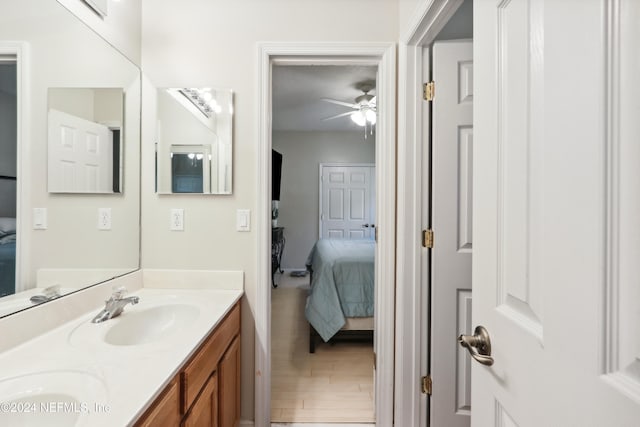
199,369
165,410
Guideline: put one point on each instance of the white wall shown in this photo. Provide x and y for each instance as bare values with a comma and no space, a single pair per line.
406,13
214,43
95,105
302,152
121,27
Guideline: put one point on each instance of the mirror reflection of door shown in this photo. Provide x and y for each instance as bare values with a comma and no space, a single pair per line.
8,173
84,141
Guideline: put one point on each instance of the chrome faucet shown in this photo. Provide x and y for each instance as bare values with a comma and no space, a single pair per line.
48,293
114,305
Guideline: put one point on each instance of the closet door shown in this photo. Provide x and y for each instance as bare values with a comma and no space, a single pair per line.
347,201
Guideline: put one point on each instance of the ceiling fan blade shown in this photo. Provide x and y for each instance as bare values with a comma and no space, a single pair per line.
337,115
335,101
373,102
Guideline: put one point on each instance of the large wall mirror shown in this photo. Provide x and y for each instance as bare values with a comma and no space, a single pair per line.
57,76
194,135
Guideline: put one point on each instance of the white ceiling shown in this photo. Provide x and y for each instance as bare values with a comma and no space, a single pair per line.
298,89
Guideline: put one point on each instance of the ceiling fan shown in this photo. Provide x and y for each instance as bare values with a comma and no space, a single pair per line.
364,108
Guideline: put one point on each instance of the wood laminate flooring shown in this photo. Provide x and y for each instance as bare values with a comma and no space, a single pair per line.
333,385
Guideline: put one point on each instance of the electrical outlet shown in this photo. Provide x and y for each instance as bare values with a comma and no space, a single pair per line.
177,220
104,218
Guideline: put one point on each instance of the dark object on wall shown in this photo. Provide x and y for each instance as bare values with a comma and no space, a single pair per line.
116,161
276,174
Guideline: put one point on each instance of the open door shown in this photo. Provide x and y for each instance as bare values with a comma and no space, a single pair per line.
551,268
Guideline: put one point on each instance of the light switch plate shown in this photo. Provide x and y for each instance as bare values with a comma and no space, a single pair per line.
177,220
243,220
39,218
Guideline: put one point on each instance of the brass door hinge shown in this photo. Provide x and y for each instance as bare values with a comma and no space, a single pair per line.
376,234
427,238
374,361
427,385
429,91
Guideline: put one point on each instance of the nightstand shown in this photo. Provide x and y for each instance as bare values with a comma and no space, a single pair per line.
277,247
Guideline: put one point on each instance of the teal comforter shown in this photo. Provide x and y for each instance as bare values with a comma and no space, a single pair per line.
342,284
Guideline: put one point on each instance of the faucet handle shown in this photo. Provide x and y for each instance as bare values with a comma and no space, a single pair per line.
51,292
118,292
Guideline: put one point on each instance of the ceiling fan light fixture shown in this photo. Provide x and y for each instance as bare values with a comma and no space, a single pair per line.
370,115
359,118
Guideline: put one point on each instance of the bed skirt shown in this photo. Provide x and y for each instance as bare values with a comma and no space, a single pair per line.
355,329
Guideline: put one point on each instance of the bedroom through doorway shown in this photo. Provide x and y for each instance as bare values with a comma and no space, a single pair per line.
323,243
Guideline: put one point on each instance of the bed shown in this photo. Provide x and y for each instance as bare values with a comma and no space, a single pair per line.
7,256
341,301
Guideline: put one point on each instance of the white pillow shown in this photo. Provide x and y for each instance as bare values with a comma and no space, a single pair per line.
7,225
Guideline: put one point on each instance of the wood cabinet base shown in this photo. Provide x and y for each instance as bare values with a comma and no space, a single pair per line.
206,391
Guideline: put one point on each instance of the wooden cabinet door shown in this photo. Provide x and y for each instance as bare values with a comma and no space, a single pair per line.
165,411
229,371
204,412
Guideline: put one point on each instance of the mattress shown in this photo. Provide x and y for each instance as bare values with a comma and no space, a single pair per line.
342,284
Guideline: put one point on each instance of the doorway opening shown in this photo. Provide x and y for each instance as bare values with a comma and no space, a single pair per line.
435,192
322,298
381,56
450,59
8,173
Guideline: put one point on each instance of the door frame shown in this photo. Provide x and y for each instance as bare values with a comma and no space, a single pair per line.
320,182
383,55
21,52
412,301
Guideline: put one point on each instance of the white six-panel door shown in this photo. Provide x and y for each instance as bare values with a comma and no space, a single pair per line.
80,157
347,201
452,169
554,283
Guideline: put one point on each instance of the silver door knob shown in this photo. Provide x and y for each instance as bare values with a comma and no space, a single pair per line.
479,345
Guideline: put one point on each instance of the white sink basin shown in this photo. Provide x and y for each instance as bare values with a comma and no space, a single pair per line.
51,399
151,324
152,320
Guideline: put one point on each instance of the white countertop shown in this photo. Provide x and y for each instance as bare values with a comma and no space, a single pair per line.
116,382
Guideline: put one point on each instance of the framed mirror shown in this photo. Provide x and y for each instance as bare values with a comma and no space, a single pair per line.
53,242
194,150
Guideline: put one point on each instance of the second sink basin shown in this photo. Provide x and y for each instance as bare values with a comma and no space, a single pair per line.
151,324
51,398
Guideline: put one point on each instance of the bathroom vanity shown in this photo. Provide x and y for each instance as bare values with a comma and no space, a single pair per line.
172,359
206,390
